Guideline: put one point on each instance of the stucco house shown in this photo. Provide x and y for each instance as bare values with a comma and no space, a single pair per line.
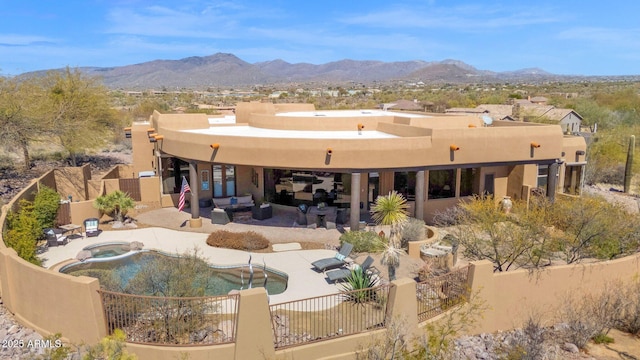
288,153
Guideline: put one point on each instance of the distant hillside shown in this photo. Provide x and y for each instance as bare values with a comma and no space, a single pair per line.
225,70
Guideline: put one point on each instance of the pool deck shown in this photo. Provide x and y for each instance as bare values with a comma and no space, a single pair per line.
304,282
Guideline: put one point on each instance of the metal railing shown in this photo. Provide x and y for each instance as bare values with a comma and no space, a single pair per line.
441,293
329,316
182,321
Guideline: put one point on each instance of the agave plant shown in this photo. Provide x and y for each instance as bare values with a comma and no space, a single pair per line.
356,284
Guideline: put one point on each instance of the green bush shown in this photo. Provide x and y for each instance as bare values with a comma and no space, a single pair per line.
23,232
412,230
248,240
363,241
46,205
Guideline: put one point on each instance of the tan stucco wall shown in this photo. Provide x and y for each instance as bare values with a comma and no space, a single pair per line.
143,156
47,301
513,296
73,181
82,210
421,142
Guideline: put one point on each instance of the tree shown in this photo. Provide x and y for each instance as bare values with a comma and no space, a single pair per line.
115,204
79,112
391,210
486,232
20,116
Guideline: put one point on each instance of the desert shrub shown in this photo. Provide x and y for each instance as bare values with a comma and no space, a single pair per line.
110,347
412,230
363,241
431,268
629,318
23,232
248,240
591,316
527,343
108,278
46,203
186,275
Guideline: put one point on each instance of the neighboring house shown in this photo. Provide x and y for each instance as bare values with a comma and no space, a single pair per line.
498,112
568,119
525,110
404,105
466,111
289,153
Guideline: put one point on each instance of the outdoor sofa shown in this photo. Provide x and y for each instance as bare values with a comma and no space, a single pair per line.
234,202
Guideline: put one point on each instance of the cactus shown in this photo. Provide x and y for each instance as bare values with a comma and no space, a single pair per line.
628,167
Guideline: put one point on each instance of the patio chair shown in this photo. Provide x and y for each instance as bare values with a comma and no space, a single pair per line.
91,227
55,237
344,273
334,262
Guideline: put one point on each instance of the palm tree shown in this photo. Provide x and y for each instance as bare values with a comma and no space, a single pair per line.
115,204
391,210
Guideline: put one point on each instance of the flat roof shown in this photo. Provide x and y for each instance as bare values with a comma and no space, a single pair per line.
250,131
349,113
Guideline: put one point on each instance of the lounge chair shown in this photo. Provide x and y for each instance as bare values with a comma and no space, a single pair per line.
55,237
91,227
334,262
344,273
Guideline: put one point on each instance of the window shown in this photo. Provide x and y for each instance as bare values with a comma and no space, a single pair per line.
295,187
404,182
468,181
543,177
442,184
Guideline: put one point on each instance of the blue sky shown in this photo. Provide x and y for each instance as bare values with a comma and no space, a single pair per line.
563,37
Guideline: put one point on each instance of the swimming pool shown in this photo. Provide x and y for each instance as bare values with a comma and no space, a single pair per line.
114,267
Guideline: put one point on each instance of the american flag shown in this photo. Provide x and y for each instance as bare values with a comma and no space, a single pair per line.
184,189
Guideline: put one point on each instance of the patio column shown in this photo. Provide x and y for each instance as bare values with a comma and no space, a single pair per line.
354,222
195,221
420,195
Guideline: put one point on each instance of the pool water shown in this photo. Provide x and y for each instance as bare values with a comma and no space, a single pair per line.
108,250
220,280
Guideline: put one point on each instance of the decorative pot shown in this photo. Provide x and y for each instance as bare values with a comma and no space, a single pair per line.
507,204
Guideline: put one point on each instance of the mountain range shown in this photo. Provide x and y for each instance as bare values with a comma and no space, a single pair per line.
227,70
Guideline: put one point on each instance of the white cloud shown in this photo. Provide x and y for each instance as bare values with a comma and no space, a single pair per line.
463,18
24,40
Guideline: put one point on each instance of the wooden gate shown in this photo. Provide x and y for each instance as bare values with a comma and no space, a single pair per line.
131,187
63,216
